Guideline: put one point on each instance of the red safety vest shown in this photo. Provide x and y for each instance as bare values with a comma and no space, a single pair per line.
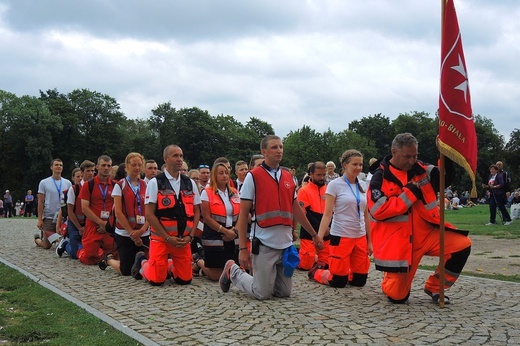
217,208
129,203
273,200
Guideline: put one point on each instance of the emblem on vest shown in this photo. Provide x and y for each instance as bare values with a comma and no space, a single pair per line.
166,201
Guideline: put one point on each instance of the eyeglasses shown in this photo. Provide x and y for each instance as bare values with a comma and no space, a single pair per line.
203,166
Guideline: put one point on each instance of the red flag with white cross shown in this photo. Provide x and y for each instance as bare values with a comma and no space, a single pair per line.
457,136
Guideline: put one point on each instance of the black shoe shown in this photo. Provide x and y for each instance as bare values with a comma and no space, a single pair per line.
436,296
103,264
315,267
139,257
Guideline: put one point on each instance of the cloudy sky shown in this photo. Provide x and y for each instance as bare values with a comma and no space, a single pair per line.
321,63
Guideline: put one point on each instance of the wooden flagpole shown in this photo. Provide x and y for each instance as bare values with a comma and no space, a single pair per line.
442,183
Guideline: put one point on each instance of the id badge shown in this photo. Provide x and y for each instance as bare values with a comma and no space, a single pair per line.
105,214
140,219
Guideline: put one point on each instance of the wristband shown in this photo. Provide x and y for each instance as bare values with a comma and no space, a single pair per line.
167,239
191,237
242,248
219,228
315,234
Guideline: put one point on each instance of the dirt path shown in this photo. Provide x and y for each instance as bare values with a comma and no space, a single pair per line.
490,256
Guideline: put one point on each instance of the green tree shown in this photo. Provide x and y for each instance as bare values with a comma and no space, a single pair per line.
512,157
378,129
68,135
490,146
26,143
424,128
139,136
301,147
101,125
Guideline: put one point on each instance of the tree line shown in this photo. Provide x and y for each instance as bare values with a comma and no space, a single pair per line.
84,124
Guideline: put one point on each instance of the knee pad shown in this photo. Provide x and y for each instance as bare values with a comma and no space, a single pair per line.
458,260
358,280
338,281
399,301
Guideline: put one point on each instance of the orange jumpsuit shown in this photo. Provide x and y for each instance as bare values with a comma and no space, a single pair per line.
96,245
175,214
312,200
405,227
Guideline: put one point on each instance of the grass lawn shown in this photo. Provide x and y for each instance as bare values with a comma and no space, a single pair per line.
474,219
31,314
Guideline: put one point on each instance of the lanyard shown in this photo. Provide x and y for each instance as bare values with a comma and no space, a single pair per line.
136,192
104,195
59,190
358,198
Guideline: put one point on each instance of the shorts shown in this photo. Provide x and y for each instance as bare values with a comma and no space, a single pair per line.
216,256
49,227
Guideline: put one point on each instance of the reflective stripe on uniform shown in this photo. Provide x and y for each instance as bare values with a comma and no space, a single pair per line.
391,263
273,214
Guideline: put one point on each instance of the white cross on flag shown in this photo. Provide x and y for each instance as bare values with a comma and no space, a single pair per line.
457,136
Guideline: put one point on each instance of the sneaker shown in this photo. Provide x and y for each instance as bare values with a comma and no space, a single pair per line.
195,268
139,257
507,223
436,296
60,249
103,264
490,224
225,280
315,267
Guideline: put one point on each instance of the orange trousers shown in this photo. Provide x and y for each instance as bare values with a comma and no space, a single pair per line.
95,246
457,247
308,254
156,268
348,263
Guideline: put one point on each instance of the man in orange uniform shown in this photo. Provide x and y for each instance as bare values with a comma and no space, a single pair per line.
172,208
96,204
403,204
312,200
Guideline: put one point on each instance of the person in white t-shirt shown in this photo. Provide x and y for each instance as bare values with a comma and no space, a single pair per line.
51,197
350,243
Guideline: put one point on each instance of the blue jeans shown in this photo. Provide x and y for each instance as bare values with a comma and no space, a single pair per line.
74,241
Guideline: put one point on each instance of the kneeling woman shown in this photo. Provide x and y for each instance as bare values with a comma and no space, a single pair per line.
220,207
350,243
132,232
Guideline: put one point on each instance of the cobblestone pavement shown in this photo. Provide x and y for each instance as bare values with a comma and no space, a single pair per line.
482,311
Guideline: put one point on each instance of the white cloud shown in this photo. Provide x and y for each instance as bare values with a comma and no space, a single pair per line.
320,63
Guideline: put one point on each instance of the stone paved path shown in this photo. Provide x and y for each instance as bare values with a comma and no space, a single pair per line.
483,311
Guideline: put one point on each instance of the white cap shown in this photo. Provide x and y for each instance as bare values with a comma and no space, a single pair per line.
6,191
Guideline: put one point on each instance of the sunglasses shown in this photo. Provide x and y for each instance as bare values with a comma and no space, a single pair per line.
203,166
